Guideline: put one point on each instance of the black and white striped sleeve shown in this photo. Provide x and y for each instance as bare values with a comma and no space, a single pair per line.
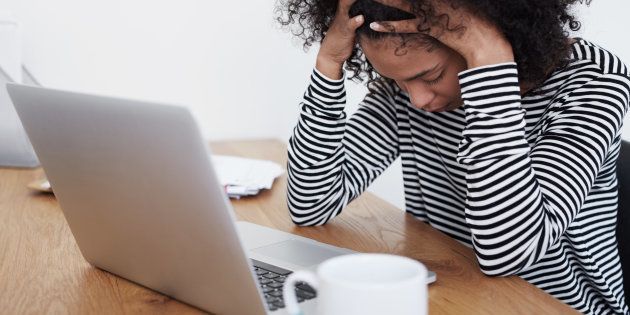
520,201
332,161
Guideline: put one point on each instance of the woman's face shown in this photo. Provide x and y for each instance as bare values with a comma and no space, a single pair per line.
428,77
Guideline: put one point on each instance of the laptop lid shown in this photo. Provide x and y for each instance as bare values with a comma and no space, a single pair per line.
139,193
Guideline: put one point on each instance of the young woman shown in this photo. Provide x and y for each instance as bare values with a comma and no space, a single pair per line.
508,131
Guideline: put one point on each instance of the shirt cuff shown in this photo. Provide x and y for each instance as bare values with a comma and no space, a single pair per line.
494,117
324,95
328,80
492,89
482,69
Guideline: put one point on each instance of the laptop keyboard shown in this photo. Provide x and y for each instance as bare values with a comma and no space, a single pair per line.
271,279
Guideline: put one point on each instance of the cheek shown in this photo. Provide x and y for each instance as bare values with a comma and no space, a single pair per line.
450,87
459,66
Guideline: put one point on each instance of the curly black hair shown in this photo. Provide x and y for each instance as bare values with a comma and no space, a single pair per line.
536,29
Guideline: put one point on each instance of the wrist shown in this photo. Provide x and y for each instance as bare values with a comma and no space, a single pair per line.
490,56
328,67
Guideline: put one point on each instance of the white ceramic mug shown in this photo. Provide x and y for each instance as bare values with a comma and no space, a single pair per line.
363,284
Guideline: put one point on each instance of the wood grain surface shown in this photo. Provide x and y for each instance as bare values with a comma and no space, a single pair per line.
42,270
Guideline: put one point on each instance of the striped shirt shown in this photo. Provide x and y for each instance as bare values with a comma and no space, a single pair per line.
529,182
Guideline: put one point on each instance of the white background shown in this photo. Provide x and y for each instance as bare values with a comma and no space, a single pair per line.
226,60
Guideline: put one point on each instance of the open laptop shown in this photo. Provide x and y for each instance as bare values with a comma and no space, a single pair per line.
141,197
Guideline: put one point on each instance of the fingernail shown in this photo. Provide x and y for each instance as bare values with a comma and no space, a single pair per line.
359,19
375,26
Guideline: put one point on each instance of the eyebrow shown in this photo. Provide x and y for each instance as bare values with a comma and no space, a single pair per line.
423,73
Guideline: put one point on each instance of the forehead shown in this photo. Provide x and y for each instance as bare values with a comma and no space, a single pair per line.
396,60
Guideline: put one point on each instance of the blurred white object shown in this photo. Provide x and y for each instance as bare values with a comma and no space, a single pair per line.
245,177
11,47
41,185
15,148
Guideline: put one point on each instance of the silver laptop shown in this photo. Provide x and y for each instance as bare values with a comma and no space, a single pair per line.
141,197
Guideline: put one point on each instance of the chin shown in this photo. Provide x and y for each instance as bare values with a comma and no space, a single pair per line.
451,107
437,109
441,108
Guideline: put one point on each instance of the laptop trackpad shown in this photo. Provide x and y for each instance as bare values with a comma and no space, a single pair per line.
298,252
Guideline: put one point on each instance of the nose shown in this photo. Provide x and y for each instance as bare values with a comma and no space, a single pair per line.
421,97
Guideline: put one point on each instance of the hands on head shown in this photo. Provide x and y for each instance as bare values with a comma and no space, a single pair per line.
339,41
478,41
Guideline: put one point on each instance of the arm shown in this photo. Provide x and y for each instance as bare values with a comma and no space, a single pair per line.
332,161
521,201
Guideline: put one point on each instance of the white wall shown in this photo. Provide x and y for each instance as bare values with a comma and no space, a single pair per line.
226,60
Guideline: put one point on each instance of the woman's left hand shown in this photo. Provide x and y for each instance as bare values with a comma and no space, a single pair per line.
479,42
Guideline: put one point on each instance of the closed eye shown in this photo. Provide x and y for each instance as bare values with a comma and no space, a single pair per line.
436,80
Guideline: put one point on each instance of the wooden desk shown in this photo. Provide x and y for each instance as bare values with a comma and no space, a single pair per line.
42,270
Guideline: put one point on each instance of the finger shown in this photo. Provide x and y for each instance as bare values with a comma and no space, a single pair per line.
344,6
404,26
354,23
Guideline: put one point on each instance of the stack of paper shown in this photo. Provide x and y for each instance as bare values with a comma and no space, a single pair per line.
245,177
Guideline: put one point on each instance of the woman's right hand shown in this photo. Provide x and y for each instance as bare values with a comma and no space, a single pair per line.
338,43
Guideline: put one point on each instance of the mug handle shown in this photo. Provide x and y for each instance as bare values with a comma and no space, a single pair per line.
288,290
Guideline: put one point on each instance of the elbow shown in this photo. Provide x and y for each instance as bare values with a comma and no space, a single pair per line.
299,221
299,218
490,272
499,257
302,222
312,213
502,264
